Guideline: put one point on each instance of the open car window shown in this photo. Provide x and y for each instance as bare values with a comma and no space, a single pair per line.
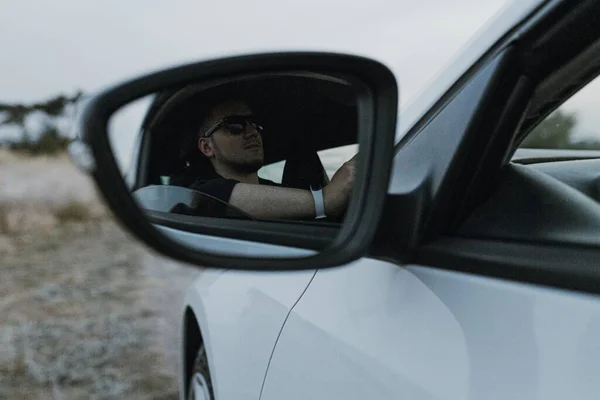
549,193
125,135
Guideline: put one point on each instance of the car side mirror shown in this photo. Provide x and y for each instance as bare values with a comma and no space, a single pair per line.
199,137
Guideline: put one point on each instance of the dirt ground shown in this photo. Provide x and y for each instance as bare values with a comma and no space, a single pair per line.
85,310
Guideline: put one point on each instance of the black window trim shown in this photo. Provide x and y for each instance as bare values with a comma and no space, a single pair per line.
566,266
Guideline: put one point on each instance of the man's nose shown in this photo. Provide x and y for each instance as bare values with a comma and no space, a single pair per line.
250,130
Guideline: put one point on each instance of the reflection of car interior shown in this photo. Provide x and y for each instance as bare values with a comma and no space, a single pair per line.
302,114
332,160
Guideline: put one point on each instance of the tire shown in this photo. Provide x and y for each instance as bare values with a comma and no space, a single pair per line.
200,385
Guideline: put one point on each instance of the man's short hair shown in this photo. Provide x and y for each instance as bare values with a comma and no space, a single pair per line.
199,112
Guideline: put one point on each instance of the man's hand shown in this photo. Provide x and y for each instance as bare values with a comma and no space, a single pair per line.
337,192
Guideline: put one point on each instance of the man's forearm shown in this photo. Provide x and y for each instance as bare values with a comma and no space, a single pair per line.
274,202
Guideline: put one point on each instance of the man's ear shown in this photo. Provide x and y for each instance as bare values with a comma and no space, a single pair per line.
205,145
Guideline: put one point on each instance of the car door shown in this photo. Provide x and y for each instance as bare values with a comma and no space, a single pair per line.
471,314
370,328
377,330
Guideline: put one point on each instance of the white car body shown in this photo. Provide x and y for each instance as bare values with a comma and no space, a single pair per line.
375,329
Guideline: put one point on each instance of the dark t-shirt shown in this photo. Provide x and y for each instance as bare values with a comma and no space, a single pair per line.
219,188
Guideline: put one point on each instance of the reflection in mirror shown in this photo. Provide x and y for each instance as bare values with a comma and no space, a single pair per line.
124,135
269,147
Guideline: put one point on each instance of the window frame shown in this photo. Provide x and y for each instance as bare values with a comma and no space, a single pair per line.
529,63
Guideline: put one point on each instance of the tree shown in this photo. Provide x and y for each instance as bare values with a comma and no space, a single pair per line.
50,141
15,114
552,133
556,132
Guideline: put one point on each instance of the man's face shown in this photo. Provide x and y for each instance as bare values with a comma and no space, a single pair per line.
242,152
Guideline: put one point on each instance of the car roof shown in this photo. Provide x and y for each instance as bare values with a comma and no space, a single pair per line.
474,49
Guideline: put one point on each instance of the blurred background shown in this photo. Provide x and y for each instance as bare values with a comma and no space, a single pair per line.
86,311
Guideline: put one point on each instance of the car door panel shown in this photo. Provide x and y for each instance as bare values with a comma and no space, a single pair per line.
379,330
347,334
524,341
240,315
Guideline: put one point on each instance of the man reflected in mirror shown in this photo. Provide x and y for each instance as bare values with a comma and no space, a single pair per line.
229,136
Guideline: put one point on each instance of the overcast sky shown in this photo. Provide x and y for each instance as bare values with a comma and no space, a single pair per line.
62,46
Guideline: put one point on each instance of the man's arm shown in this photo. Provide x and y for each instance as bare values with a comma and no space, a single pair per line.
271,202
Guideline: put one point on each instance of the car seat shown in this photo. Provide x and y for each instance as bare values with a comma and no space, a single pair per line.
304,170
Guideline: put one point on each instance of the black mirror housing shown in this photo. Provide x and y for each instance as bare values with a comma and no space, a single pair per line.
377,97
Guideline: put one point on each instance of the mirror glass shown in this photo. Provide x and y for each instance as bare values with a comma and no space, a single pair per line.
274,150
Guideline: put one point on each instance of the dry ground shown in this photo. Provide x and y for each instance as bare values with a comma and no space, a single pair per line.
85,310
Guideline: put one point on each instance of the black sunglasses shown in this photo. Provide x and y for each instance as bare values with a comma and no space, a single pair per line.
235,124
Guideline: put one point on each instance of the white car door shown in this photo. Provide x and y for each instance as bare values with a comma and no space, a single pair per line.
379,330
421,329
241,315
369,330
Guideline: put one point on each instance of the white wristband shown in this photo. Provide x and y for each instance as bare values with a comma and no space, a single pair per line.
319,203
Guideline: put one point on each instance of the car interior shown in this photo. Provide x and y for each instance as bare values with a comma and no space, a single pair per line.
301,113
546,196
492,197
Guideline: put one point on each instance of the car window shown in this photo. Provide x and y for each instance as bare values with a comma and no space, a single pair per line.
575,125
332,160
272,172
124,132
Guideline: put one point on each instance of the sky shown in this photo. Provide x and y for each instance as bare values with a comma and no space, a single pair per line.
52,47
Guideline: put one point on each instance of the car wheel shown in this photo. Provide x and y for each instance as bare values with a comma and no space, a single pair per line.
200,385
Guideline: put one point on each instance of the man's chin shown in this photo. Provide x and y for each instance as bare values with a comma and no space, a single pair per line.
252,166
